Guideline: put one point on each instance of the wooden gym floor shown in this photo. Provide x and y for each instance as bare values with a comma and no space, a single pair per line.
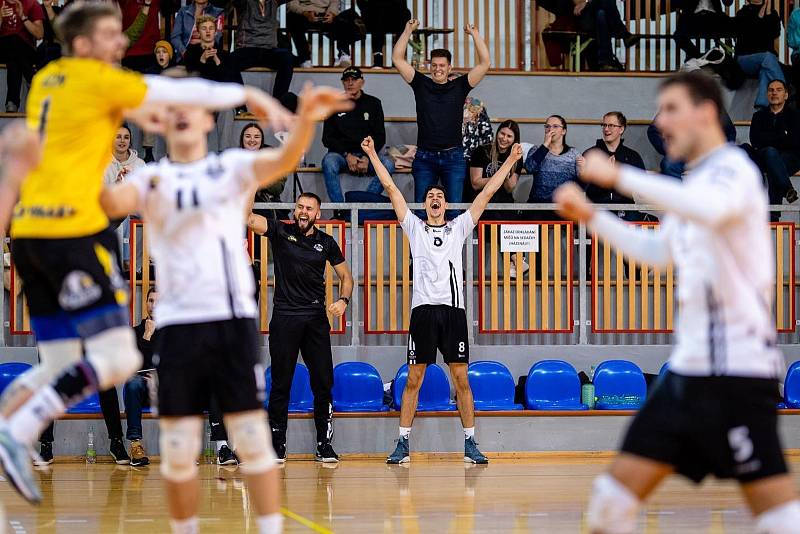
545,494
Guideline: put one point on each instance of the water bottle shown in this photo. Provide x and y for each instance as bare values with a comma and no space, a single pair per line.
587,391
91,453
208,452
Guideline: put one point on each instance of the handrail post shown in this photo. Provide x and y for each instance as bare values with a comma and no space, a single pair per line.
355,298
583,297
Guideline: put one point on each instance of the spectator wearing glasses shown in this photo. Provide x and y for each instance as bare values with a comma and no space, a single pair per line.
551,164
757,27
613,145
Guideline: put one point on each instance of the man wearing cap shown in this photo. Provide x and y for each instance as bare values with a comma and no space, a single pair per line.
342,135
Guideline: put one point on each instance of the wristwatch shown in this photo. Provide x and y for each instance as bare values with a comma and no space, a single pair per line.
24,19
346,300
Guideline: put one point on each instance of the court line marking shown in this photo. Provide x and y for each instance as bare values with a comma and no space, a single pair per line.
316,527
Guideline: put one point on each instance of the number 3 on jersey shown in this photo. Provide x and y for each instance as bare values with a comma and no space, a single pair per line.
186,197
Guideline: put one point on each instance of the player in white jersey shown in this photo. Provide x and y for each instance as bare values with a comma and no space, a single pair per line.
438,319
714,411
195,205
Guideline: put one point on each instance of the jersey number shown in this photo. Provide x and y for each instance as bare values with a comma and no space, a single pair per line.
181,198
740,442
43,116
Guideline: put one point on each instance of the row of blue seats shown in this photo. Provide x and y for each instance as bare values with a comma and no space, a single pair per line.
358,387
550,385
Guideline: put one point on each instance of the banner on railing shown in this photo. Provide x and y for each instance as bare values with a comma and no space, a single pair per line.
529,290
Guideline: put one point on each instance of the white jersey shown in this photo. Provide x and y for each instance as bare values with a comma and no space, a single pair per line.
195,220
437,253
716,234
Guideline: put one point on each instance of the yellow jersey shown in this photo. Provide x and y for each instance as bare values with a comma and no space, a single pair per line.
77,105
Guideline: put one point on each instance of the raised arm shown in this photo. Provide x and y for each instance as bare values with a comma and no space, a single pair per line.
477,73
20,152
398,202
399,52
494,183
315,104
650,247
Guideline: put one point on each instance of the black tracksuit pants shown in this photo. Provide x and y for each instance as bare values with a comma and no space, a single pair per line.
289,336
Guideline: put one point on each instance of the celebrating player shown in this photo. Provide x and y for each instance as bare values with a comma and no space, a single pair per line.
438,319
62,249
713,412
194,204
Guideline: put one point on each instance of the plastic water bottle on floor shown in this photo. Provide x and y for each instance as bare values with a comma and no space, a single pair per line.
208,452
91,453
587,391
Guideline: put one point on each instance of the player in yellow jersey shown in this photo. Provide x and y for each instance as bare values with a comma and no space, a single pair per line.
62,249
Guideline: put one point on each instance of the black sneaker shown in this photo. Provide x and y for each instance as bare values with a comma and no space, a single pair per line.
45,454
791,195
225,456
118,452
280,452
325,453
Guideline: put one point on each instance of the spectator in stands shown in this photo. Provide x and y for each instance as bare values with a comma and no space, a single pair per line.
137,389
124,160
139,56
485,162
602,20
49,49
757,27
257,42
701,18
162,60
252,138
21,26
440,114
303,15
383,17
342,134
476,128
775,136
552,163
185,32
612,144
206,57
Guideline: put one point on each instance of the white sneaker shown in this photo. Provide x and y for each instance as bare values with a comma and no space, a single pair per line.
343,61
306,64
512,272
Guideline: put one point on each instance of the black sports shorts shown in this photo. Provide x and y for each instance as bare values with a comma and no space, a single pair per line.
439,327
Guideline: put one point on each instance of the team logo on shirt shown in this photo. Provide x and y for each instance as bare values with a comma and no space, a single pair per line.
318,247
78,290
292,238
437,241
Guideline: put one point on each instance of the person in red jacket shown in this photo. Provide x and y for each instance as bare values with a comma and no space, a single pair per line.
140,53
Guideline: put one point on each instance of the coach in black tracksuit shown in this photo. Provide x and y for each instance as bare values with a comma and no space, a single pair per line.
299,323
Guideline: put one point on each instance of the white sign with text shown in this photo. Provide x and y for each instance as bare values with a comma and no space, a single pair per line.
519,238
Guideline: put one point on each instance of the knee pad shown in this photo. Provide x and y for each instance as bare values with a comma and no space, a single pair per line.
251,436
782,519
612,508
179,442
113,355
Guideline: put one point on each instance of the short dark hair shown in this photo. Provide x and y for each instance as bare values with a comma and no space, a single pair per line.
432,187
78,20
307,194
442,52
783,83
623,121
701,88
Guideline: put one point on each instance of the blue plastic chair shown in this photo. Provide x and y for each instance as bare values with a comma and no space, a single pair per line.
9,371
619,385
791,386
434,395
492,386
357,387
90,404
664,368
553,385
301,400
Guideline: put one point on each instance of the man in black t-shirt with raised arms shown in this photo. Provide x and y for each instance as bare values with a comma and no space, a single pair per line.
440,113
299,321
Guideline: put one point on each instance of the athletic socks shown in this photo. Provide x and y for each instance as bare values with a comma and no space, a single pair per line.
270,524
469,432
405,432
221,443
35,415
185,526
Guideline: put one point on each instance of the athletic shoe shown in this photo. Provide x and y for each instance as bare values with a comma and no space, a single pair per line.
280,452
225,456
138,455
471,453
306,64
400,454
11,107
16,463
377,60
118,452
45,454
325,453
343,61
791,195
